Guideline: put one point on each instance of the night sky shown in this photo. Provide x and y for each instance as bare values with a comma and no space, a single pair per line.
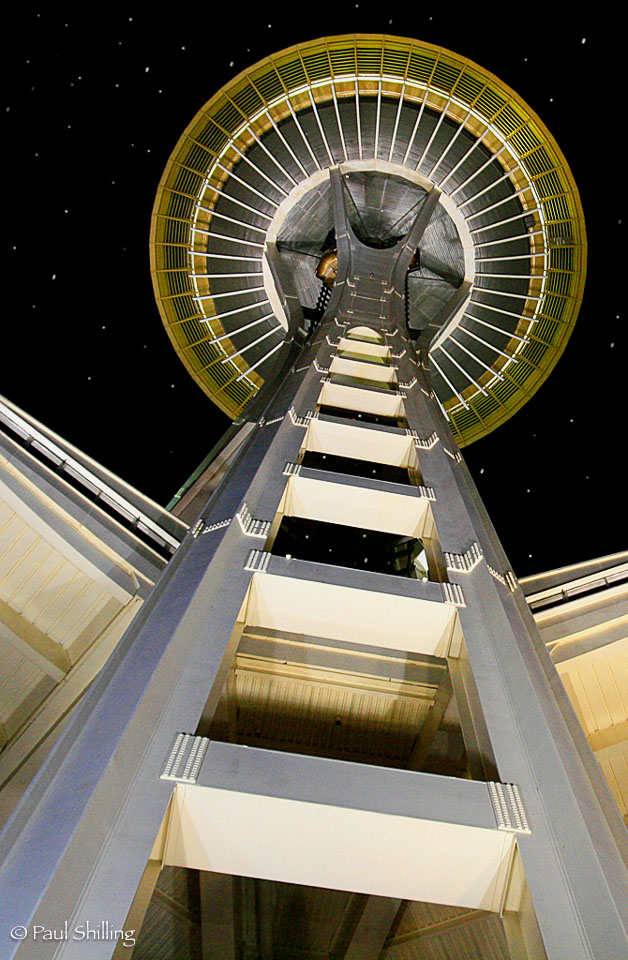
94,104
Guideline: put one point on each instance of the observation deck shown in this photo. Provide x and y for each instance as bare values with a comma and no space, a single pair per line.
243,220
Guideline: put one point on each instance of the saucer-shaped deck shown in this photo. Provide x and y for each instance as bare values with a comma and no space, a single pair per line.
395,115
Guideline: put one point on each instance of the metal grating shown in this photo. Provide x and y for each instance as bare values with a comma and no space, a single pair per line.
538,197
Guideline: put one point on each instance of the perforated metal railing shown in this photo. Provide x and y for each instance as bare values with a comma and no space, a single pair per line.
162,531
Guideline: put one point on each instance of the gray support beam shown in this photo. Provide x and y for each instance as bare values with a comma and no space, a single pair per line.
264,910
575,858
84,832
177,910
139,906
192,497
343,245
219,920
356,903
406,248
328,823
322,652
431,725
418,940
446,320
98,801
517,714
372,928
477,743
337,783
522,933
358,578
285,286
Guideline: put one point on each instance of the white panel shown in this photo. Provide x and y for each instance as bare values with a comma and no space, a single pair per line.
366,371
367,349
584,708
48,590
619,791
364,333
567,679
345,613
302,707
29,652
46,595
61,699
68,602
610,638
12,528
78,617
619,666
358,507
34,566
26,550
365,401
27,591
619,766
22,677
595,696
71,608
21,542
344,440
606,679
296,841
76,556
10,661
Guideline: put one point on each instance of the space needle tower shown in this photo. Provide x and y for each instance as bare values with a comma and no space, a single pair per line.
369,252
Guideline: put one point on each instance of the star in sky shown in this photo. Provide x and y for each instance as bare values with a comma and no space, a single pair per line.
104,282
